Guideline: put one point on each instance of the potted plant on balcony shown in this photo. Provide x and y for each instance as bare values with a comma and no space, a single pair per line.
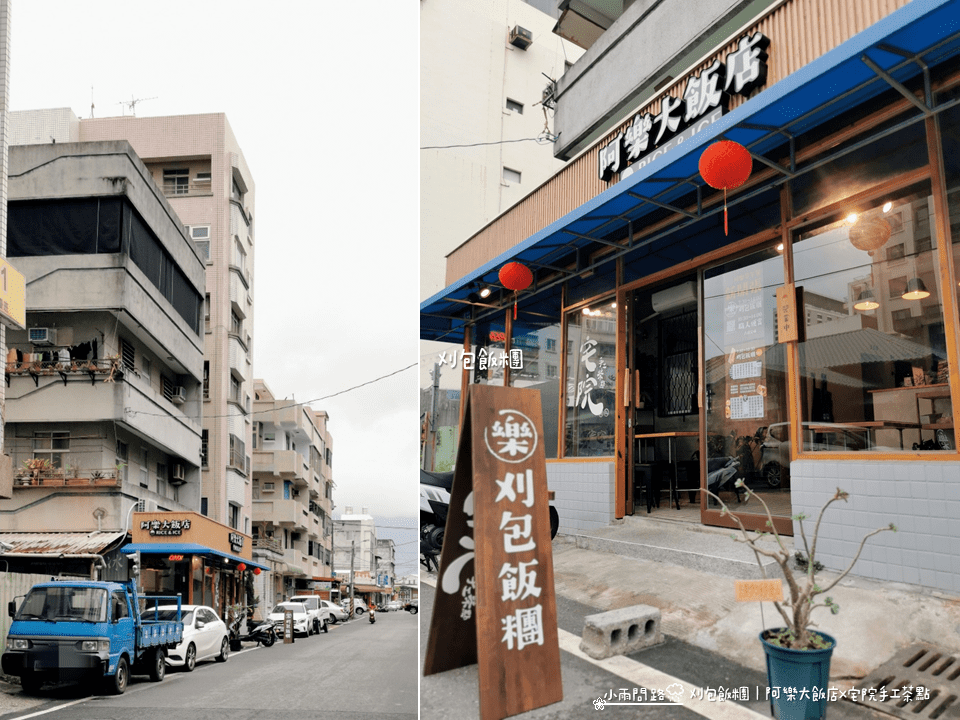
797,655
35,469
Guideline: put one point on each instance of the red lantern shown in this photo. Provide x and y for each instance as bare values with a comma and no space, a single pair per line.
725,165
241,567
515,276
256,571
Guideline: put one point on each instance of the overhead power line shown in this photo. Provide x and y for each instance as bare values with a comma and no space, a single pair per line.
129,411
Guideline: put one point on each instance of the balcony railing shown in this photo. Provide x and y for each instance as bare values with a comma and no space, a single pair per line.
112,368
175,189
60,477
265,543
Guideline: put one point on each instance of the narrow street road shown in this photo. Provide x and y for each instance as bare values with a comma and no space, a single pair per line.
355,671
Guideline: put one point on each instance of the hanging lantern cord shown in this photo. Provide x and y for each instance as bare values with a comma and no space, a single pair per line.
725,232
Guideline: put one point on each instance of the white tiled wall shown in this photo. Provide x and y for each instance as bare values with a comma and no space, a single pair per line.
584,493
921,498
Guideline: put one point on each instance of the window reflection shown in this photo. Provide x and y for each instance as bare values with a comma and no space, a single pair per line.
591,381
873,365
745,367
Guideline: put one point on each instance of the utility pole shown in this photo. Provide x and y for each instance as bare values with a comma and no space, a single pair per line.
352,551
429,450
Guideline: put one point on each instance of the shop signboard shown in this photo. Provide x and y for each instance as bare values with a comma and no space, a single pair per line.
705,98
495,603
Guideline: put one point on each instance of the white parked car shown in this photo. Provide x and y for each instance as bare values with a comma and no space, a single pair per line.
337,613
359,606
205,636
319,615
301,619
393,606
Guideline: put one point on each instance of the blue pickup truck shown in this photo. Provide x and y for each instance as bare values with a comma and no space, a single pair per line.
88,630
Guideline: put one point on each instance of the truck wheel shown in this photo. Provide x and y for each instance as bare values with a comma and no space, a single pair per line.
158,665
224,651
117,683
30,683
414,610
358,611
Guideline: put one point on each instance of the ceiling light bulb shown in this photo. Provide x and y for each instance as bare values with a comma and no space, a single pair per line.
586,311
780,248
485,293
887,206
851,218
613,305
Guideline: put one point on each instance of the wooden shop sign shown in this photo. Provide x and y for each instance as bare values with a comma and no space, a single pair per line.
495,602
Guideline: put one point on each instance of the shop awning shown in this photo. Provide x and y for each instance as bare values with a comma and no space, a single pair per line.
368,588
187,549
64,544
884,56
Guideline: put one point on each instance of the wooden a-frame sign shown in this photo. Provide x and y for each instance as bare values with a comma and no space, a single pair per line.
495,603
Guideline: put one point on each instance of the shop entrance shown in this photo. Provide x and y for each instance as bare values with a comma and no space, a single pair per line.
706,401
663,433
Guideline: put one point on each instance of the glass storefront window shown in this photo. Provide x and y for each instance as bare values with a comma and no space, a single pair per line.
591,381
745,372
536,348
873,364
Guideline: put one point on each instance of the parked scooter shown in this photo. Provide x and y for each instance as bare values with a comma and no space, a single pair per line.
722,474
261,632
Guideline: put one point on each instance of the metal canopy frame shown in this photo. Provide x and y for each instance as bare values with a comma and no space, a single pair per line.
894,51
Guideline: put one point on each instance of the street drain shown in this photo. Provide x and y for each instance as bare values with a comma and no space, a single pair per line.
920,666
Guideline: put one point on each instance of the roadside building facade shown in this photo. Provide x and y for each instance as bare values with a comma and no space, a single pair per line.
804,323
292,496
104,385
355,553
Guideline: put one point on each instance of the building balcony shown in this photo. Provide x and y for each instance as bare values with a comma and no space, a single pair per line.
66,477
285,513
267,544
285,463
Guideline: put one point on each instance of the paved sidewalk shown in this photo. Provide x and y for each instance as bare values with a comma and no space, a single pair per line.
688,572
697,603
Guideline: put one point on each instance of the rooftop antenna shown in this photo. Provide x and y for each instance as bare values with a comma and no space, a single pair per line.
132,104
91,101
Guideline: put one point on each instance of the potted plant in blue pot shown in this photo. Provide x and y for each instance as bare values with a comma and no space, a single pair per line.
797,655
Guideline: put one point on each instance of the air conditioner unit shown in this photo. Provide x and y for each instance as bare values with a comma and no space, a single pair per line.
179,396
177,477
520,37
43,336
675,297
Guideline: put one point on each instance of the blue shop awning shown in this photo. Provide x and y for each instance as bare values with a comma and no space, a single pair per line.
187,549
886,55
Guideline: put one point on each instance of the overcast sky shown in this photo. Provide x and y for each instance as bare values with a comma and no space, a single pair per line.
322,98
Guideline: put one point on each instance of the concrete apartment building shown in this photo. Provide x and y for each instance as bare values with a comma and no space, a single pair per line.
104,387
355,549
292,495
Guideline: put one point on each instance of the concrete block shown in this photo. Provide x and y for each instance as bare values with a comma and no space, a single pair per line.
621,631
